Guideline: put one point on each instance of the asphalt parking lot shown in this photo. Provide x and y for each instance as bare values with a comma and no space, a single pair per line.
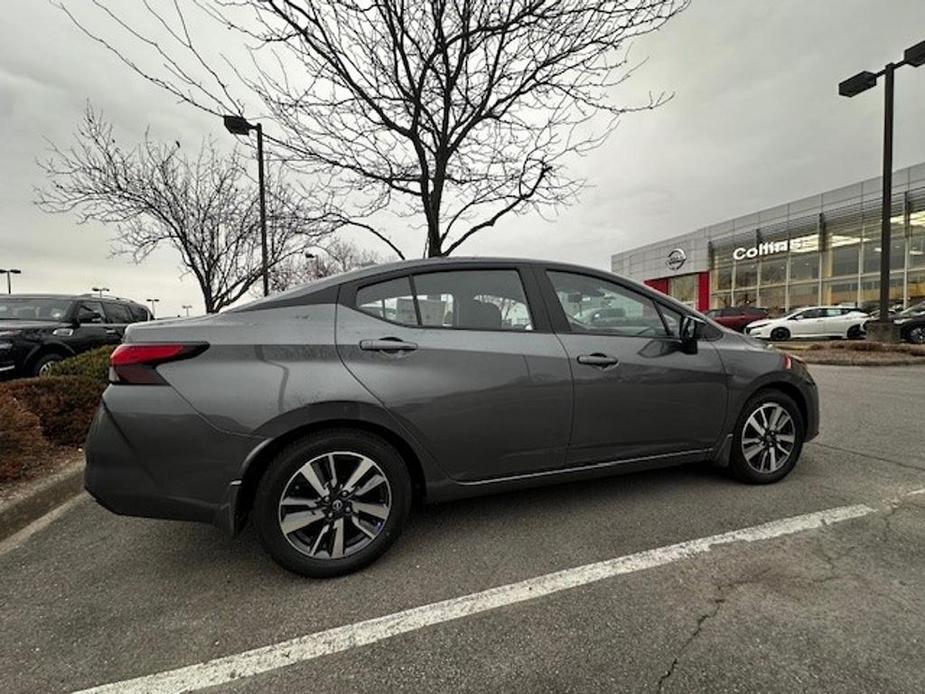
90,598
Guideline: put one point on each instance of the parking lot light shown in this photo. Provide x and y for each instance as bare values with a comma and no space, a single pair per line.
8,273
100,290
854,85
152,302
238,125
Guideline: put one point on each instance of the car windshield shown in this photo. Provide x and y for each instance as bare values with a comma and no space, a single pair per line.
914,310
22,308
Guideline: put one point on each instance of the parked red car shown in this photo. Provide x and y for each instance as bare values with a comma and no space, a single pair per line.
737,317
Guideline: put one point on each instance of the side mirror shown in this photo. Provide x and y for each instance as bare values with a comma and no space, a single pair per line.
691,331
87,316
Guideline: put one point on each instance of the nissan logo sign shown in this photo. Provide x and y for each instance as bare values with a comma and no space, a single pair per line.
676,259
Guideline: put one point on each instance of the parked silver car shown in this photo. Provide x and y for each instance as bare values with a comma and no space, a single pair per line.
323,412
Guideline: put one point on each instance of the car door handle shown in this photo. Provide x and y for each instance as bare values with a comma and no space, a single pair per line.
112,331
387,344
597,359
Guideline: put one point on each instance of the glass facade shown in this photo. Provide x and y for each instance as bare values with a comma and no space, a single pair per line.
830,258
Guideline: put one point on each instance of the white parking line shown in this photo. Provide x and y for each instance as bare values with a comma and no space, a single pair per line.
303,648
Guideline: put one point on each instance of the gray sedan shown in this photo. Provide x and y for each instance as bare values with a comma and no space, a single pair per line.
324,412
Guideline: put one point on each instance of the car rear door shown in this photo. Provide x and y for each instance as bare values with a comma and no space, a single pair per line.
637,394
117,317
91,330
466,362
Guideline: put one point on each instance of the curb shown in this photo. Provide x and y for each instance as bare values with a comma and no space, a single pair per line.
38,499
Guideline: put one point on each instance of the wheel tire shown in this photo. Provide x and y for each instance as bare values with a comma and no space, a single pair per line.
854,333
42,363
780,334
740,465
916,335
281,474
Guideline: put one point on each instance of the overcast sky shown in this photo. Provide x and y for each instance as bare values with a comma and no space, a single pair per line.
755,121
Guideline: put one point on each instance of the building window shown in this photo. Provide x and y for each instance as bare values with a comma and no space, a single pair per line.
840,292
870,290
720,300
915,284
774,299
843,248
871,252
801,295
774,271
746,274
917,240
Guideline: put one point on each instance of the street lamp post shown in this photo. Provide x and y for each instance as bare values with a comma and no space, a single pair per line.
100,290
9,282
187,307
152,302
861,82
238,125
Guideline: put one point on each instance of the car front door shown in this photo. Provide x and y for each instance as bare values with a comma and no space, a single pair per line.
805,323
637,393
466,363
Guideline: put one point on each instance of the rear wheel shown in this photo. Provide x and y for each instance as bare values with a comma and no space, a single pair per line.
332,504
780,334
768,438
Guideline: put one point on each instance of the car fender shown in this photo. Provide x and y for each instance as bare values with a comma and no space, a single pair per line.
46,347
344,413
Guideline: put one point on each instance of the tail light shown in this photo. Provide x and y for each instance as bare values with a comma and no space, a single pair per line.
135,363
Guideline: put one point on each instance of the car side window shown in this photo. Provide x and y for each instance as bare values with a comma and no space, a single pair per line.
391,300
86,309
473,300
118,313
139,313
630,313
813,313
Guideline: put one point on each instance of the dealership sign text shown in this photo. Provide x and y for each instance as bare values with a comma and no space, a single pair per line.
766,248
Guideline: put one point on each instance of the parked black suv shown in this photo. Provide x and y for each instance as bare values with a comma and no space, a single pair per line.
37,330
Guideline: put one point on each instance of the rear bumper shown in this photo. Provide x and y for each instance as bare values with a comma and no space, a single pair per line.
150,454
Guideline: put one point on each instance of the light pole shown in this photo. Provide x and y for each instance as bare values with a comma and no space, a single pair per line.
861,82
238,125
9,282
187,307
100,290
152,302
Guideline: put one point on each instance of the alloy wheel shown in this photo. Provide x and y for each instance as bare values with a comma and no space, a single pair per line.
46,367
917,335
335,505
768,438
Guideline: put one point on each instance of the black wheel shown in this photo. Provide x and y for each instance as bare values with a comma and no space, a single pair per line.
42,364
916,335
854,332
768,438
780,334
333,503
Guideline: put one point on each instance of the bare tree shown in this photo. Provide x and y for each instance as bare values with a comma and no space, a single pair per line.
454,112
204,207
334,257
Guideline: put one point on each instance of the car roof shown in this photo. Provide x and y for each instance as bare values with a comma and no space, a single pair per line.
71,297
293,296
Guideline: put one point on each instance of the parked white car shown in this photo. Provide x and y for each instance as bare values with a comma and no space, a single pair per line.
813,321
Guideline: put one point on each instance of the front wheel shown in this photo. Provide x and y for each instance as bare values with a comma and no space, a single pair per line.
768,438
332,504
854,333
780,334
44,363
916,335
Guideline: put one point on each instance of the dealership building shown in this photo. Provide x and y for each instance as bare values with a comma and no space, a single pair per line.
823,249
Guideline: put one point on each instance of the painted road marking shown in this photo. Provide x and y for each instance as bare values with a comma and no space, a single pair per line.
303,648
